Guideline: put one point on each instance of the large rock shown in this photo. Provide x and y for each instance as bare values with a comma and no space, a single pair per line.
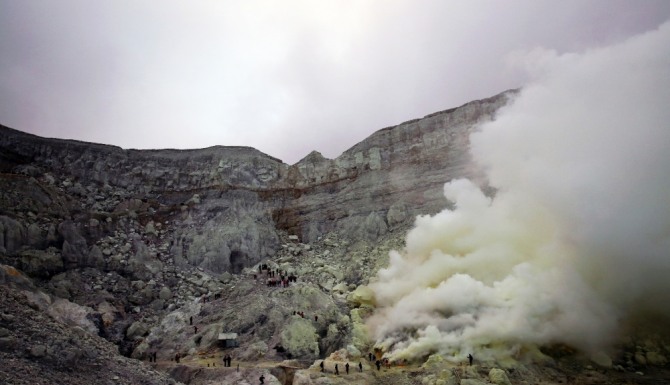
73,314
41,263
656,359
300,339
12,277
499,377
362,296
75,250
137,330
12,235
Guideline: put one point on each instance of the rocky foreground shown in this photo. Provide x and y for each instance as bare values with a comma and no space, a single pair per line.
48,340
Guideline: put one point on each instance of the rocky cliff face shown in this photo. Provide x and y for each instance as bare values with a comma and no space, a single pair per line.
220,208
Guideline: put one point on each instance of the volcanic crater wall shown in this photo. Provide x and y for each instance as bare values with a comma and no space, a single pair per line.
219,208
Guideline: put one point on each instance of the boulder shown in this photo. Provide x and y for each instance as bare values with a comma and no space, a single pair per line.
75,250
499,377
137,330
435,362
165,293
656,359
362,296
640,358
602,359
12,235
141,297
40,263
397,214
300,339
95,258
73,314
10,276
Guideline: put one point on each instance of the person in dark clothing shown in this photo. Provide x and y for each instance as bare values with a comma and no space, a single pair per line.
176,358
379,364
337,371
346,368
195,330
360,367
470,358
262,379
190,320
370,356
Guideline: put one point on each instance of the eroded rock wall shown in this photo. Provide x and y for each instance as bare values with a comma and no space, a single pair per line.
220,208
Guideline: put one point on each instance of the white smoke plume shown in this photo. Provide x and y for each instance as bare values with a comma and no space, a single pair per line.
576,241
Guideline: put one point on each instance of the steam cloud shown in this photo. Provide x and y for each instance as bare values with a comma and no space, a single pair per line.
576,241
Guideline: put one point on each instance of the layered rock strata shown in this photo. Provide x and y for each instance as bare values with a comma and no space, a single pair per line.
220,208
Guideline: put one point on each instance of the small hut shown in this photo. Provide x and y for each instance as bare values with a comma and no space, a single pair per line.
228,340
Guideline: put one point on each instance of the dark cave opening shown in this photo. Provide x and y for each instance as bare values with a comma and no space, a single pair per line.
237,259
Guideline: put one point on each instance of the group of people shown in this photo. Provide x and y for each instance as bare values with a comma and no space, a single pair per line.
337,367
302,314
227,359
276,277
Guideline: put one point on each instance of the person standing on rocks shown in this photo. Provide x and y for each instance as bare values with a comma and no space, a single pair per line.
337,371
360,367
262,379
346,368
470,358
379,364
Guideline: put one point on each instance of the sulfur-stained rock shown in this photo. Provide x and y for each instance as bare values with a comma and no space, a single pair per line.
300,339
656,358
499,377
362,296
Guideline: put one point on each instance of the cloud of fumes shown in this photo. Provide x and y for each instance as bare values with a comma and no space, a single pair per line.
576,240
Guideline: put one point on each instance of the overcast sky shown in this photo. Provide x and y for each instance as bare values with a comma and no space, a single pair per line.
286,77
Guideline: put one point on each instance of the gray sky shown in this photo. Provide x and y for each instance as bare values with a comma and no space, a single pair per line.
286,77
